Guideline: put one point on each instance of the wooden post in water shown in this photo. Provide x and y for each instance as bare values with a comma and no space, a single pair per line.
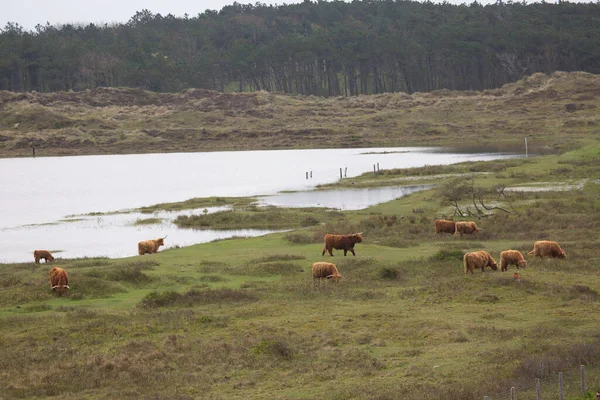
561,389
33,149
526,149
307,175
377,167
582,367
345,172
311,174
374,170
340,173
538,389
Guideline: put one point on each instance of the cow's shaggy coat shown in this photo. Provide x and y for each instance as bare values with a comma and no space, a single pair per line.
341,242
466,228
547,248
445,226
325,270
59,280
150,246
39,254
512,257
479,259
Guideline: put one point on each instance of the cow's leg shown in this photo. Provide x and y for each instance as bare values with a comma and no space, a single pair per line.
353,253
345,251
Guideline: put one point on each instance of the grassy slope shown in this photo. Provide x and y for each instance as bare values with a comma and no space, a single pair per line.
241,318
546,108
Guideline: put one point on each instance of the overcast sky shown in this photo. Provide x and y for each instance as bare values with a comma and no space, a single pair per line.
29,13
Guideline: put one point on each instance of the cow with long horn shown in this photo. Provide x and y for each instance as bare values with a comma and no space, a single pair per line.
59,281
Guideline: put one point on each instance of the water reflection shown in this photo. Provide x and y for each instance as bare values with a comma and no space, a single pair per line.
343,199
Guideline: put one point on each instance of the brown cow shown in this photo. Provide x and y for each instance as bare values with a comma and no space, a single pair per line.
341,242
479,259
325,270
444,226
39,254
547,248
59,280
150,246
466,228
512,257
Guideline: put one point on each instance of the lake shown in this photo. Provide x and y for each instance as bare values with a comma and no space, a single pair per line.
39,193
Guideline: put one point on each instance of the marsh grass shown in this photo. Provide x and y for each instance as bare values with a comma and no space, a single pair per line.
195,297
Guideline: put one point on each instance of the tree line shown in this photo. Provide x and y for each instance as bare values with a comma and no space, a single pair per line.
322,48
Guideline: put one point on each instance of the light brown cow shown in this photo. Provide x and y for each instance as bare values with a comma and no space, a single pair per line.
444,226
39,254
59,280
547,248
325,270
512,257
466,228
479,259
341,242
150,246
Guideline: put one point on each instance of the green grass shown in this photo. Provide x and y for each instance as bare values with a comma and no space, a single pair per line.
243,318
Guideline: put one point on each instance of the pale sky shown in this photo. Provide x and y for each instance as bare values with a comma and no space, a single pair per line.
29,13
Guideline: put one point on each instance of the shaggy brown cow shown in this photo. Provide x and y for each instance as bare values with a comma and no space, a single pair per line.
59,280
444,226
39,254
325,270
547,248
479,259
512,257
150,246
341,242
466,228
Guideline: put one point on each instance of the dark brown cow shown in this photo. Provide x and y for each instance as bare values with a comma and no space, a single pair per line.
444,226
325,270
466,228
512,257
39,254
547,248
150,246
341,242
59,280
479,259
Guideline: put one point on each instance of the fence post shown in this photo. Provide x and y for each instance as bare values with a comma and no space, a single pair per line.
374,170
513,393
526,149
378,167
345,171
306,175
560,386
340,173
538,389
311,174
582,367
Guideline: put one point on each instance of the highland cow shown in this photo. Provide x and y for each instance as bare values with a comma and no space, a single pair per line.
479,259
341,242
466,228
59,281
150,246
325,270
512,257
547,248
444,226
45,254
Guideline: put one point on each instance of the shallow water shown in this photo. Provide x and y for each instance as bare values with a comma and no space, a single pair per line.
46,190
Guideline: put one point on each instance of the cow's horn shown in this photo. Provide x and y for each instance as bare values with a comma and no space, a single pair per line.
54,287
67,286
359,233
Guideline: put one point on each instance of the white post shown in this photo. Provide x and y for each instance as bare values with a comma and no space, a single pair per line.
513,393
538,389
526,149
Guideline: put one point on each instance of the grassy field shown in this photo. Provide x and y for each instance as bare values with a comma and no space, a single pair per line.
548,109
242,318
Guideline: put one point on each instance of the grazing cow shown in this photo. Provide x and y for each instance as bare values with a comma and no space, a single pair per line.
325,270
150,246
512,257
547,248
466,228
444,226
59,280
341,242
39,254
479,259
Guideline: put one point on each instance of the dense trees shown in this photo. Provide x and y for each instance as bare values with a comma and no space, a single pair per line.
326,48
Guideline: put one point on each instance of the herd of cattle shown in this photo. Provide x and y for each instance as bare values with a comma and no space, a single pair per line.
59,279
